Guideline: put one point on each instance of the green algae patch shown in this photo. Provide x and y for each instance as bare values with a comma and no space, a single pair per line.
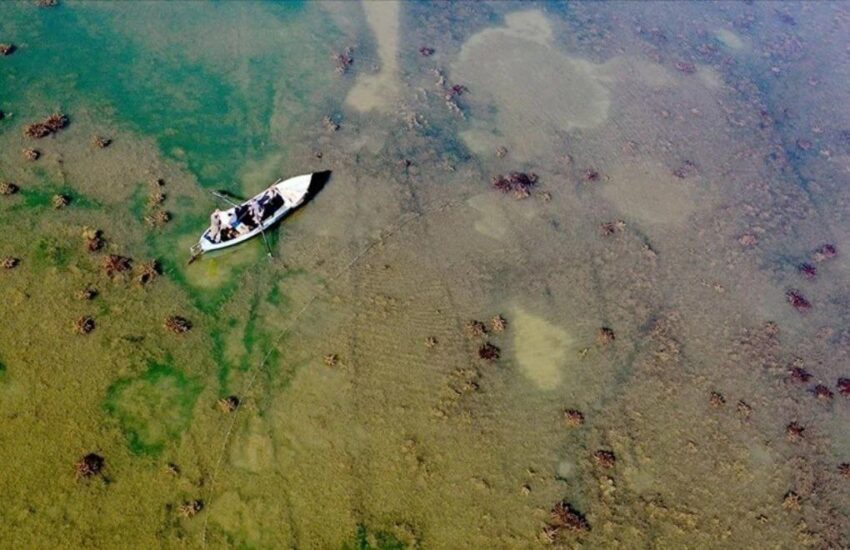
380,540
50,252
43,198
154,408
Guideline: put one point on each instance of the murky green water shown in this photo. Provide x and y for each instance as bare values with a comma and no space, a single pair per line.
692,161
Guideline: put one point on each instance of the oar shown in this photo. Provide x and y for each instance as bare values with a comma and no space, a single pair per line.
221,195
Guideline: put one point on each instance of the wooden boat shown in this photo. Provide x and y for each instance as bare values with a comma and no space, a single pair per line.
276,202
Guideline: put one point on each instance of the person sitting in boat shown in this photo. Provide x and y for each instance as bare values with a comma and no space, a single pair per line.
215,226
255,211
273,202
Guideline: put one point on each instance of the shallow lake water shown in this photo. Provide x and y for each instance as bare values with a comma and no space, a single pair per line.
643,346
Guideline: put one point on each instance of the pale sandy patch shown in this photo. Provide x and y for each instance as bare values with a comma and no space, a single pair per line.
380,91
541,349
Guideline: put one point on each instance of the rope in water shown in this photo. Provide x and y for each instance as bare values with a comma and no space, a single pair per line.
254,372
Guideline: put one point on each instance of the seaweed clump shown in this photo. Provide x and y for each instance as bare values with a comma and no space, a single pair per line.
844,386
807,270
50,125
822,392
604,459
88,293
115,265
799,374
605,336
342,61
498,323
794,431
573,418
475,329
60,201
158,218
148,272
9,262
8,188
90,465
190,508
716,399
489,352
824,252
7,49
94,240
84,325
101,142
798,301
228,404
518,183
31,154
177,324
564,516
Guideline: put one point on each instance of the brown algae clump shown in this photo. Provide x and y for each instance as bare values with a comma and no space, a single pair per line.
156,198
60,201
564,517
822,392
489,352
94,239
8,188
794,432
84,325
31,154
190,508
518,183
50,125
89,465
498,323
115,265
7,49
824,252
148,272
798,301
88,293
158,218
604,459
343,60
605,336
177,324
799,374
475,329
9,262
573,418
100,142
844,386
716,399
228,404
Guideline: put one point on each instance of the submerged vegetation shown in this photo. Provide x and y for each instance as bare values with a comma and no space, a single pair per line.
672,290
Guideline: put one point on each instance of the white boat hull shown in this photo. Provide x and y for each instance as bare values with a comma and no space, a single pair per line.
293,191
